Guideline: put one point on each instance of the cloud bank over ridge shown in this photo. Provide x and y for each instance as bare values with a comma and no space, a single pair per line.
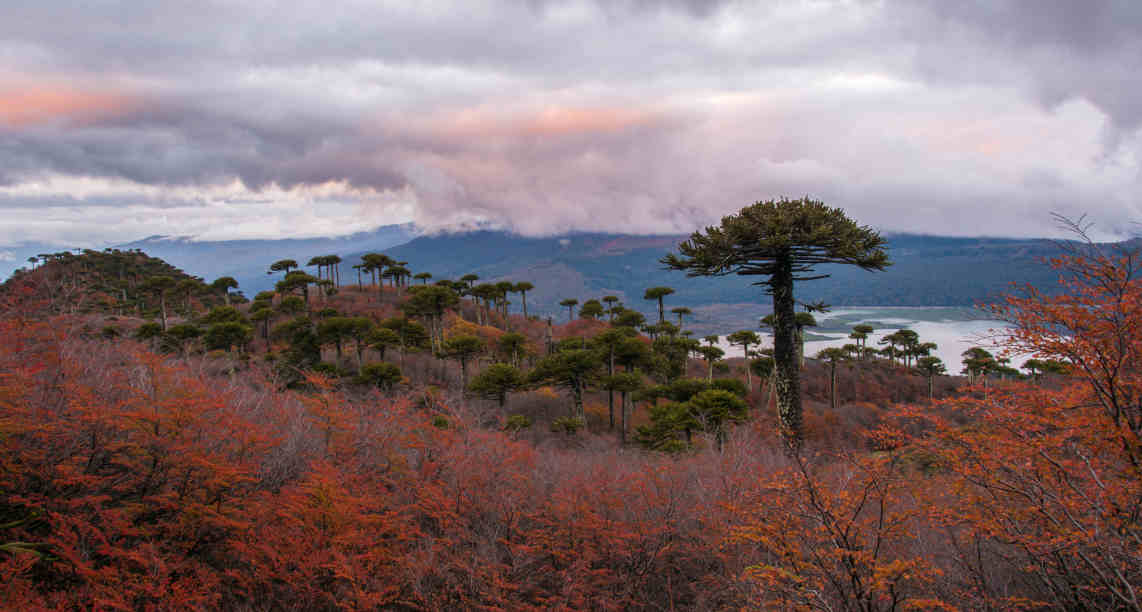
260,119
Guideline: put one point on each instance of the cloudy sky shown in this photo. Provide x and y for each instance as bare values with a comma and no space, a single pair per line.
265,119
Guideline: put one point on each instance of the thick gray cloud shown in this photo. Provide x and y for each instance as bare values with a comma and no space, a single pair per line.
233,119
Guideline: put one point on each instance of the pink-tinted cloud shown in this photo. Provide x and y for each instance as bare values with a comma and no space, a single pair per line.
30,104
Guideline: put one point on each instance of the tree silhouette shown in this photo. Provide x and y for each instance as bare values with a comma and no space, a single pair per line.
572,369
591,309
658,293
680,311
159,286
224,284
612,305
781,241
624,383
463,349
745,339
608,343
296,281
283,265
978,362
860,334
522,288
411,335
931,367
383,376
832,356
422,277
512,346
569,304
381,339
430,303
713,408
496,382
710,354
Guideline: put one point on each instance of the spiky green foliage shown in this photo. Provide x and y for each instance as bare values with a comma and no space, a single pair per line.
781,241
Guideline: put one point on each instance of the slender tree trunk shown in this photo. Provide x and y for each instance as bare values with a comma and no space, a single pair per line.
748,371
786,370
523,296
833,386
163,309
929,388
611,392
623,418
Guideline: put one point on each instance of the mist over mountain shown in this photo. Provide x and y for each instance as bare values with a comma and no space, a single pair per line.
247,260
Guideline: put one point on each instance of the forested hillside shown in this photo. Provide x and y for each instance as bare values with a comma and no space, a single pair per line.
414,441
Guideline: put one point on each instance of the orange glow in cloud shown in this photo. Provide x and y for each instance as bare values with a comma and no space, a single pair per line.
30,105
551,121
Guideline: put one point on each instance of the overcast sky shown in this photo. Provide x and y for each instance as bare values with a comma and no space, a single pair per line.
266,119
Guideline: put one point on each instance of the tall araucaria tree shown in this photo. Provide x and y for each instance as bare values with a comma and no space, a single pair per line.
781,241
658,293
745,339
570,304
522,288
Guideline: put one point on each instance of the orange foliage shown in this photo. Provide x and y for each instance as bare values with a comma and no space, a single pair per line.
131,480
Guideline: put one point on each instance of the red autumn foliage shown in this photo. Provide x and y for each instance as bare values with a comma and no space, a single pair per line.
132,480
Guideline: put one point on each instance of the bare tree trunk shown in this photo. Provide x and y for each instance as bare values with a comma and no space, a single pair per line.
833,386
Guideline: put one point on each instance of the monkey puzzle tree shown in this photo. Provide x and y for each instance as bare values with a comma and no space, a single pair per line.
832,356
572,369
423,277
160,285
710,354
860,334
680,311
223,285
463,349
591,309
522,289
496,382
625,383
612,302
511,346
781,241
658,293
570,304
713,408
745,339
930,367
283,265
607,344
383,376
430,303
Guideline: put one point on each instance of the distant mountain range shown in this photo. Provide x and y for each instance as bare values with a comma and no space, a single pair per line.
926,270
247,260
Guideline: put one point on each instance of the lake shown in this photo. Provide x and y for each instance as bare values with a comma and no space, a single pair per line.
954,330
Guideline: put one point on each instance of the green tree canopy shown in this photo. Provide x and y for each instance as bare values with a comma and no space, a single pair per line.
496,382
781,241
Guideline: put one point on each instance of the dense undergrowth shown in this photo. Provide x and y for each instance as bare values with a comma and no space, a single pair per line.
133,479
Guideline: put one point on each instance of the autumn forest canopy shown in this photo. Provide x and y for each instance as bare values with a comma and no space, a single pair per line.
368,436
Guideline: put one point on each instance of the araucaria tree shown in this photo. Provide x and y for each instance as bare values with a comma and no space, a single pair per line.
781,241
